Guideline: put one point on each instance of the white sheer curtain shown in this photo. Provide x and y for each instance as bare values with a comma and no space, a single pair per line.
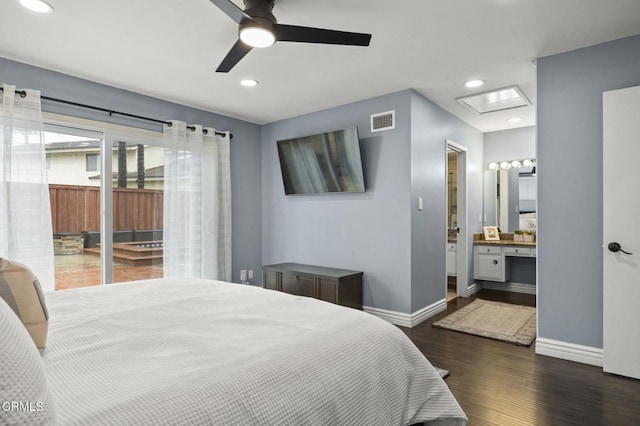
25,213
197,203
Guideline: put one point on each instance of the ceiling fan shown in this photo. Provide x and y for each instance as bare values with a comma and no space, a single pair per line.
259,28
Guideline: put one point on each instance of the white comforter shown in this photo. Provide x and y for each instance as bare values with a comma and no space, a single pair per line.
177,351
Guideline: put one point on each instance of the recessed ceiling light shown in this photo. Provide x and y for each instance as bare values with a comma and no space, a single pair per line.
474,83
249,82
39,6
514,119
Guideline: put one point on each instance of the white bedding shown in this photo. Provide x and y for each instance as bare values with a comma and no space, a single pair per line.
176,351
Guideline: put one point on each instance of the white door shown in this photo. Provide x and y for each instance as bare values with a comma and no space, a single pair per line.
621,233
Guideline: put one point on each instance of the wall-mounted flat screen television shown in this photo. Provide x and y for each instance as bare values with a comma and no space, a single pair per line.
324,163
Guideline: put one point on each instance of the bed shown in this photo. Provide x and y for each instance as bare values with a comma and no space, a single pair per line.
178,351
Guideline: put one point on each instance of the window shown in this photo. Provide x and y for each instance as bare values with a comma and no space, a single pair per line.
93,162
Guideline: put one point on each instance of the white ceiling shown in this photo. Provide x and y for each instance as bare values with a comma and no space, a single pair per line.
170,48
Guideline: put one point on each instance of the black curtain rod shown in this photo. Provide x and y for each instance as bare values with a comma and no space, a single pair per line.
23,94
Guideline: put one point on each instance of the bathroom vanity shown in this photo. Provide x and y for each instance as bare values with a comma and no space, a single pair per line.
492,259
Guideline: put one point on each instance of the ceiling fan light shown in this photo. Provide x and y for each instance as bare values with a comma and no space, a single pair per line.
39,6
257,37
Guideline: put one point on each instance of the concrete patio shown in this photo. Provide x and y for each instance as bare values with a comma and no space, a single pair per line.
83,270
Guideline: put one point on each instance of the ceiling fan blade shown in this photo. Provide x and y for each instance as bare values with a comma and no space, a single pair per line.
320,35
237,52
233,11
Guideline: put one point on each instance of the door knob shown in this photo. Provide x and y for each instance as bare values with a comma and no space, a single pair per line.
615,247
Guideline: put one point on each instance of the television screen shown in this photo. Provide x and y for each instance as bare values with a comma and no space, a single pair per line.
324,163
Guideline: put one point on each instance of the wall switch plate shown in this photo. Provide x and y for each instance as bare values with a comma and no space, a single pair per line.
250,274
243,275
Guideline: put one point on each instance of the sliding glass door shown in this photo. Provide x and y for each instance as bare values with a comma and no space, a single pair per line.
137,200
73,172
106,192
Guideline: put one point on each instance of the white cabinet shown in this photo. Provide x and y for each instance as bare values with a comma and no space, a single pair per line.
493,262
451,259
489,264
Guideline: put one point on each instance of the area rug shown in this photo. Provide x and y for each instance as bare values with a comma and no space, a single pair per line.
495,320
442,372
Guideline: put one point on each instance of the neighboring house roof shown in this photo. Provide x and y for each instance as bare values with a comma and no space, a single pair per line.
152,173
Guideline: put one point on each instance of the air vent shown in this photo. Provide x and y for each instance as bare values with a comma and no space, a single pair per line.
383,121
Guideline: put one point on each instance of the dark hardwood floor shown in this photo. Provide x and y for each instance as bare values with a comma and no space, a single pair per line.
500,383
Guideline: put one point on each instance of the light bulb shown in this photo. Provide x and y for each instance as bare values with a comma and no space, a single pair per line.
39,6
504,165
257,37
515,164
493,166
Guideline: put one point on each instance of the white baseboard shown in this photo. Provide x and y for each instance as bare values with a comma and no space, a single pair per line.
512,287
569,351
473,289
408,320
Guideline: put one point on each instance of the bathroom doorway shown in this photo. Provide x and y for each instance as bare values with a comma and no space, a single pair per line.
456,281
452,222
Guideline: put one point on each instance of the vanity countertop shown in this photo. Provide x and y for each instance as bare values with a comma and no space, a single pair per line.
506,239
503,243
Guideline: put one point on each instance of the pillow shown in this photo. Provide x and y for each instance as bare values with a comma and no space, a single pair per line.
24,394
21,290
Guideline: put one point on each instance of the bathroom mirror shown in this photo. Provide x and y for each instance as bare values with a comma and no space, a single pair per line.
510,198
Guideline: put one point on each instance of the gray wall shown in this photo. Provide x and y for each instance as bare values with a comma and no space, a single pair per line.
431,126
368,232
245,147
400,250
569,150
512,144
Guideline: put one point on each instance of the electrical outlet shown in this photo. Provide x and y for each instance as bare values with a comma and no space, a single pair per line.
243,275
250,274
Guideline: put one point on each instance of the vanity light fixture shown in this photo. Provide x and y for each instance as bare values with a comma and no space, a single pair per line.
471,84
39,6
511,164
248,82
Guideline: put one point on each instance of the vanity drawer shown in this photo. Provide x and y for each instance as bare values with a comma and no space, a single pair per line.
488,249
518,251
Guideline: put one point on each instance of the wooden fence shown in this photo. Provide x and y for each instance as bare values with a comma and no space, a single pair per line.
77,208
